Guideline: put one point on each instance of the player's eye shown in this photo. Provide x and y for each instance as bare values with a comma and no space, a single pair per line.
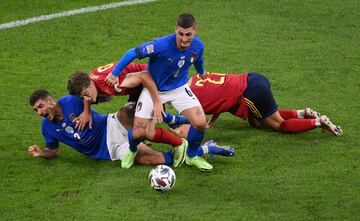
180,33
188,34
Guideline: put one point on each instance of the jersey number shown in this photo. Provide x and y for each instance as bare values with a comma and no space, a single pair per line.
105,67
221,80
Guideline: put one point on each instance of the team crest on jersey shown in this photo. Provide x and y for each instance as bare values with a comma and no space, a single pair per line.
139,106
181,63
149,48
193,57
69,129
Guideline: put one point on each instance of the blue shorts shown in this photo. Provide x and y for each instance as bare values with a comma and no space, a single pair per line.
258,96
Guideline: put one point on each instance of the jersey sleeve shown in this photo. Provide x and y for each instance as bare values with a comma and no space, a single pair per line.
50,142
149,49
199,63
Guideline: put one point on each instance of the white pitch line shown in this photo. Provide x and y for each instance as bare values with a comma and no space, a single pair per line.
71,12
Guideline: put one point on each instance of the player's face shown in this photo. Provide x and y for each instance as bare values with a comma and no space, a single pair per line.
45,108
184,37
90,93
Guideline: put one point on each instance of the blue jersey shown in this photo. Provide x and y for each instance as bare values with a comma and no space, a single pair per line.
169,66
91,142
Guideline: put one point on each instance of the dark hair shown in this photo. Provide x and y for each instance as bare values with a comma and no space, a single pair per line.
77,82
186,20
37,95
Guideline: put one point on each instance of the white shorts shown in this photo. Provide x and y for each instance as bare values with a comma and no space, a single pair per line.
116,138
181,98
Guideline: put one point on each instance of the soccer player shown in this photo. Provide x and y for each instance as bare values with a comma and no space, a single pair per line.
170,59
106,140
93,88
249,96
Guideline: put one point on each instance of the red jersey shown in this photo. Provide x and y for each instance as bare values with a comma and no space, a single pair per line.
99,74
219,93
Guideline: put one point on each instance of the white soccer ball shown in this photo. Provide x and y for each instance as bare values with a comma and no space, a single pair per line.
162,178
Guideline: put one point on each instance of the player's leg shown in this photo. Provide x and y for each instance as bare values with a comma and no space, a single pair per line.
209,147
137,133
160,135
292,125
307,113
186,103
148,156
175,120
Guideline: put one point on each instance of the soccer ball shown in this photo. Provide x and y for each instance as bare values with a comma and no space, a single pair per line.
162,178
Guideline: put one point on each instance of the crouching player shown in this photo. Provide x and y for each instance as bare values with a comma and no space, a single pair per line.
249,96
93,89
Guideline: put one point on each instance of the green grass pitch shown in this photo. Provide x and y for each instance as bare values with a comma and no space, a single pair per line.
310,51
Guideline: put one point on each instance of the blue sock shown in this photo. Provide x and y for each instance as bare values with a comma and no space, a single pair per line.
168,118
132,141
194,137
168,156
200,152
177,120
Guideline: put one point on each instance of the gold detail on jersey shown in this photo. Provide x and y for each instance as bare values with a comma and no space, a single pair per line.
200,82
93,76
252,107
105,67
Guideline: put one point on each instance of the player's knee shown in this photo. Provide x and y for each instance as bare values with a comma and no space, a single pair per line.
199,125
150,134
139,132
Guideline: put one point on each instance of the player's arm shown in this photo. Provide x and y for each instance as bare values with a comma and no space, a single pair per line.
144,78
85,117
112,77
199,66
48,153
212,120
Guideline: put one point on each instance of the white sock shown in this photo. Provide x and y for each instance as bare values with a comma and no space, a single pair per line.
317,122
300,114
205,149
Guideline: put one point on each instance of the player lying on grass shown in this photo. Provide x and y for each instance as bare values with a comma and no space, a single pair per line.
249,96
93,88
106,140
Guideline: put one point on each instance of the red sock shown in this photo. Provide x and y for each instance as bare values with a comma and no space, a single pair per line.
164,136
287,114
295,125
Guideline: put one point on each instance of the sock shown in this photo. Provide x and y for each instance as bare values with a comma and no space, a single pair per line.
168,157
133,142
178,119
194,137
287,114
168,118
300,114
164,136
202,151
297,125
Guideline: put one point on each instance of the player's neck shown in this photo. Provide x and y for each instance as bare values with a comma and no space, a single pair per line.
58,113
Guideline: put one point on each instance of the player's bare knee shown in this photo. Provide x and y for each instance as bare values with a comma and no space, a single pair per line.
139,132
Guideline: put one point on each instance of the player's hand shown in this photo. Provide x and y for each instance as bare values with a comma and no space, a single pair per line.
202,76
82,120
34,151
158,112
111,80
